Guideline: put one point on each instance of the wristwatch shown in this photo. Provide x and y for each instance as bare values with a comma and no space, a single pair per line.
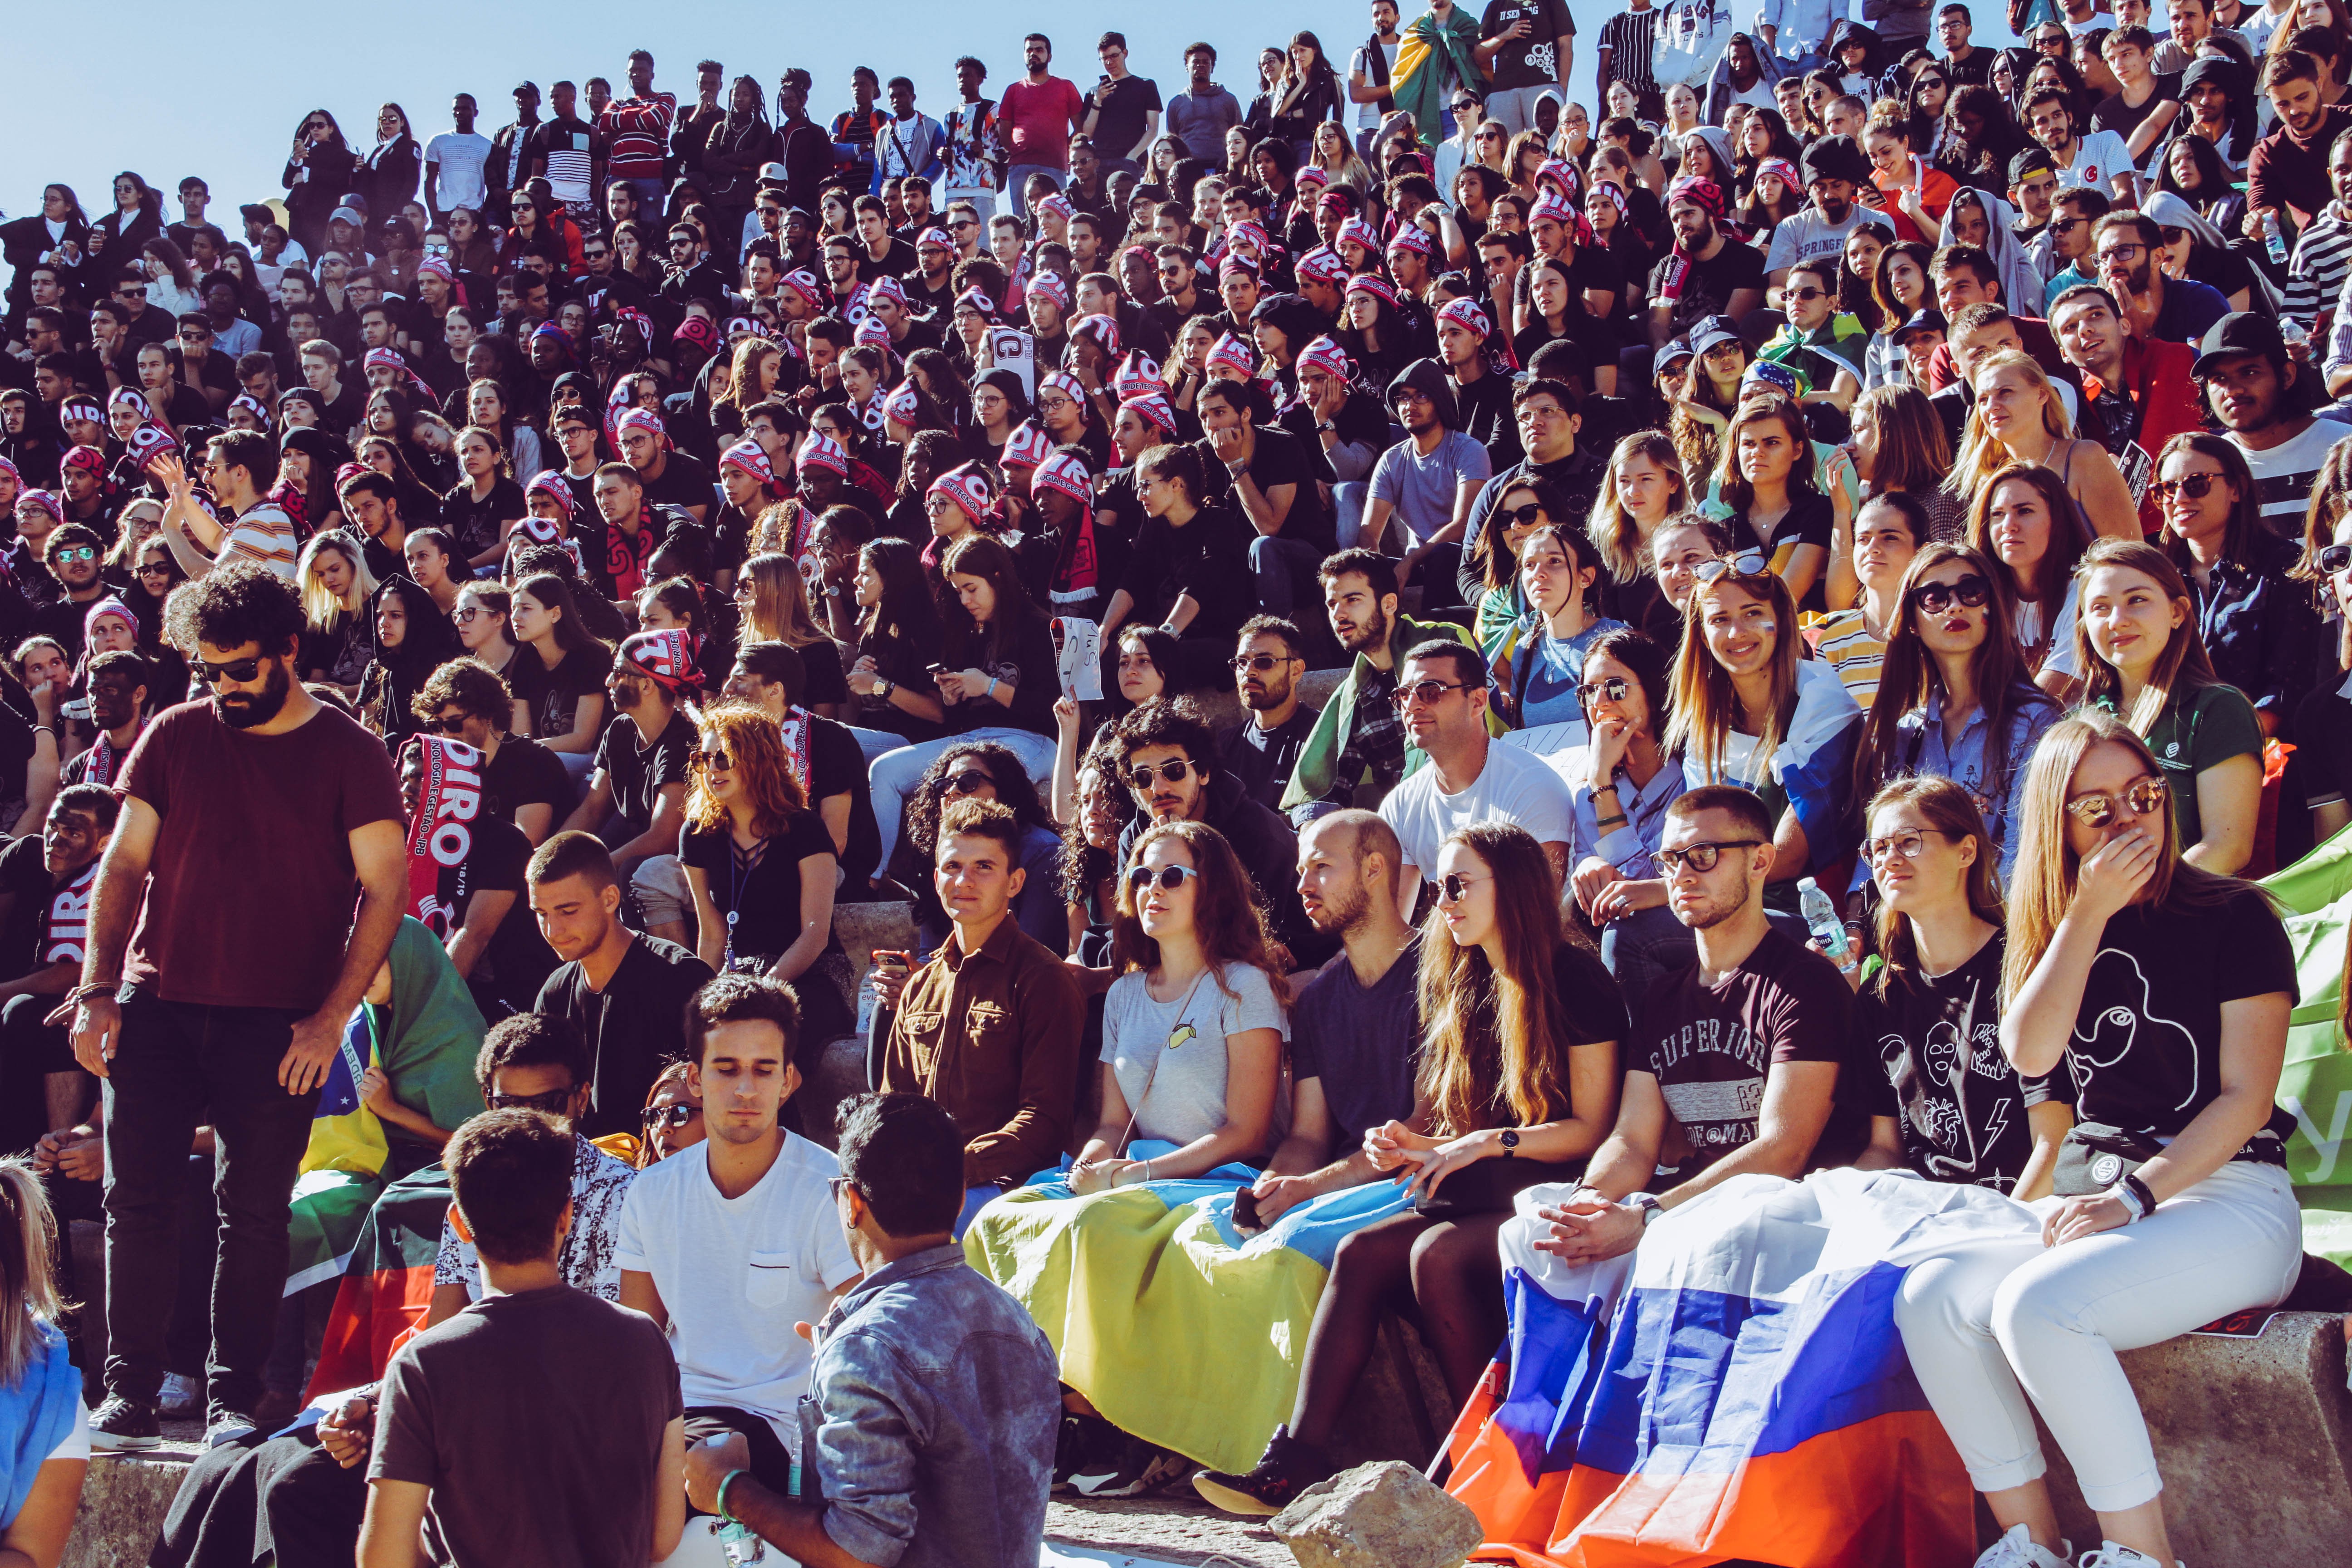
883,689
1648,1203
1510,1142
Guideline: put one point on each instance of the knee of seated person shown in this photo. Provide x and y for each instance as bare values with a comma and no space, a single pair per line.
662,890
2028,1306
1446,1247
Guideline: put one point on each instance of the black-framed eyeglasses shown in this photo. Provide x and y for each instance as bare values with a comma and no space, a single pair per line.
1170,771
1909,844
669,1118
1701,856
2096,810
2195,487
238,671
971,781
1425,692
1141,878
1454,886
1971,591
1743,563
1259,663
1611,688
555,1102
2335,558
2121,254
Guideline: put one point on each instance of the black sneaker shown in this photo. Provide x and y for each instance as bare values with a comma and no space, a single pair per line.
1085,1445
227,1425
123,1424
1141,1470
1288,1467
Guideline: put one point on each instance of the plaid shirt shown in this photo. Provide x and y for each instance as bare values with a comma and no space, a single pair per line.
1377,740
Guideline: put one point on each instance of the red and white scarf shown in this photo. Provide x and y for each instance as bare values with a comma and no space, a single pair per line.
797,731
440,835
64,925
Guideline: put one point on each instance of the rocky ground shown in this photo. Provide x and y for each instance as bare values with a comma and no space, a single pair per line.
1175,1527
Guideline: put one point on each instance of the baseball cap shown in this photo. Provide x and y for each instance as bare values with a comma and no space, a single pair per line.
1676,351
1922,320
2239,332
1713,332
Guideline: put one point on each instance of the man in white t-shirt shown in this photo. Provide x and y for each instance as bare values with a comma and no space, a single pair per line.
1442,692
454,162
2099,161
2246,377
1367,81
730,1243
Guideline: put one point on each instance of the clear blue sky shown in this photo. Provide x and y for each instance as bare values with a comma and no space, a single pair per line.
168,91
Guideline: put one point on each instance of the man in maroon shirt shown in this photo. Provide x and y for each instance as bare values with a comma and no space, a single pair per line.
246,822
2286,178
1041,109
636,132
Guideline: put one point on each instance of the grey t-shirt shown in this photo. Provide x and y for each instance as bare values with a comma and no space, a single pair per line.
1422,488
1170,1056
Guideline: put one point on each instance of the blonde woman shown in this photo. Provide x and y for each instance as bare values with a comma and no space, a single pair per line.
773,604
336,587
49,1430
1643,486
2018,418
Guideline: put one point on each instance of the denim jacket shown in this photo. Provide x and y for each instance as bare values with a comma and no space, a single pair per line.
1991,773
929,1422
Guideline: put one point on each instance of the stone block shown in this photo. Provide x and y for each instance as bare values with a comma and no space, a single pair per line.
123,1502
1386,1515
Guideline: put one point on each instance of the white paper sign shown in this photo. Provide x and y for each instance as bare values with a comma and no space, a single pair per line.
1080,643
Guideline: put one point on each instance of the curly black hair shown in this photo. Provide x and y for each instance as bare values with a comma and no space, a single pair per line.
1167,722
1082,867
1014,789
230,607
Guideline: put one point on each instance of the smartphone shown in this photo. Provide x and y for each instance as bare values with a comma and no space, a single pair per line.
1246,1215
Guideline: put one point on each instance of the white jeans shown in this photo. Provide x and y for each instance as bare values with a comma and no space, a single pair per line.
894,775
1985,1321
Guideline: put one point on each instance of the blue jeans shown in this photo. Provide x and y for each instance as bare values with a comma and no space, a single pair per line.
1016,181
1280,565
894,775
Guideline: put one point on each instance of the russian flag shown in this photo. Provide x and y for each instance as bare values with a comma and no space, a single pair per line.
1736,1388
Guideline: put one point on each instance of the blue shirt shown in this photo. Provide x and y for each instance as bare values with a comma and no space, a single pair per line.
1546,670
2189,308
1801,26
1628,844
1992,773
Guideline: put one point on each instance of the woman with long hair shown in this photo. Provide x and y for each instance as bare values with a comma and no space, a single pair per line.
1980,136
1899,449
2144,660
171,282
761,866
999,680
899,641
1490,567
412,639
1775,192
2258,627
1887,532
489,407
484,503
2026,527
1748,711
773,601
336,586
1953,700
2018,418
558,675
2165,990
484,619
40,1387
1374,332
2324,721
1538,672
317,172
982,770
1517,1082
1900,286
1960,1113
1641,488
675,603
1710,394
120,238
392,165
1765,475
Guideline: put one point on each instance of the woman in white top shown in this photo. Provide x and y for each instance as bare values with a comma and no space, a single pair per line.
2026,523
40,1390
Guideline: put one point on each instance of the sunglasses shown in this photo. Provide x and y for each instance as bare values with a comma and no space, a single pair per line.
1971,591
1425,692
672,1117
1611,690
971,781
1454,886
555,1102
2171,235
2145,798
1140,778
2335,558
448,724
156,570
1698,857
1908,843
1139,880
1259,663
2195,487
78,553
238,671
1744,563
1805,296
1525,516
717,762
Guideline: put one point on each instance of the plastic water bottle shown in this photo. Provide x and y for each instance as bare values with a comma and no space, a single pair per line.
2272,240
1822,918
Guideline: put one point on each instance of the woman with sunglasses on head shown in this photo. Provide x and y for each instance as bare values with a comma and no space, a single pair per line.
761,866
2260,631
2027,530
982,770
1748,711
2144,660
1945,1103
1953,699
2165,990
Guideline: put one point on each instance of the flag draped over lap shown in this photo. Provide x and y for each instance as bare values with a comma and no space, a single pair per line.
1182,1331
386,1291
1734,1388
2316,1083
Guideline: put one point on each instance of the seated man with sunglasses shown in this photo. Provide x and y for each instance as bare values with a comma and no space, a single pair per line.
1263,751
1736,1062
75,555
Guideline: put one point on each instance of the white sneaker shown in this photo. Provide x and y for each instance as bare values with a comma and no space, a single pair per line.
2110,1555
183,1398
2018,1550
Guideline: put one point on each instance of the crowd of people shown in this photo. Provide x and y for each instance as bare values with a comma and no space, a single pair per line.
1770,627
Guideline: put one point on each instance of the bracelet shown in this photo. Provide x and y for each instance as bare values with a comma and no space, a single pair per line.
1146,1172
1616,821
44,730
90,988
2139,1189
2130,1200
727,1481
991,685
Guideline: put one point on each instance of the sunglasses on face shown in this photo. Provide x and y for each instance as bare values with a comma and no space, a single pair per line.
78,553
718,761
2195,487
1908,843
449,724
1611,690
1745,563
1424,693
1258,663
1140,778
1701,858
2335,558
238,671
1170,877
2095,810
971,781
1525,516
669,1117
1806,296
555,1102
1971,591
1454,886
2172,235
154,569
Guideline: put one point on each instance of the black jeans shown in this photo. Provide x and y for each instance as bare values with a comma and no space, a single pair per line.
175,1063
30,1051
771,1462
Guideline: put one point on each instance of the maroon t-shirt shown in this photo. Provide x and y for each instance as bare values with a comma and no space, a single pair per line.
251,887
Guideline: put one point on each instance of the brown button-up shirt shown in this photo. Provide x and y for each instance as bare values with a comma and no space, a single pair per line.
994,1037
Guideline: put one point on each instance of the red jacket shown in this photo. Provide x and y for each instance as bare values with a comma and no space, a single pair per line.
2156,379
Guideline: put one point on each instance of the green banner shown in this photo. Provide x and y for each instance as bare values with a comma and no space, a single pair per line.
2317,1083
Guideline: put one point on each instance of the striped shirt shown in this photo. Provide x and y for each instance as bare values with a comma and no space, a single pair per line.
2315,272
1628,36
1843,640
265,536
636,132
2285,473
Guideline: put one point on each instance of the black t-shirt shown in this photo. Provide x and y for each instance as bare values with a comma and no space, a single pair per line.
1361,1042
2323,738
1708,287
477,525
1943,1076
635,1026
483,1385
1488,418
763,896
552,697
821,665
1711,1047
517,960
1208,557
1809,521
525,773
1263,760
638,771
2146,1051
1279,458
26,885
838,766
1122,104
1530,60
2114,114
683,482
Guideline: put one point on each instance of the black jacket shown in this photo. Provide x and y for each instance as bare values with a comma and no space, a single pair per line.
1267,848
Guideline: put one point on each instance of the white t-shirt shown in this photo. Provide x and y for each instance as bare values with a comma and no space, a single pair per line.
2060,656
1515,787
1170,1057
75,1444
2285,473
461,155
1807,236
265,536
737,1273
2099,157
1361,63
